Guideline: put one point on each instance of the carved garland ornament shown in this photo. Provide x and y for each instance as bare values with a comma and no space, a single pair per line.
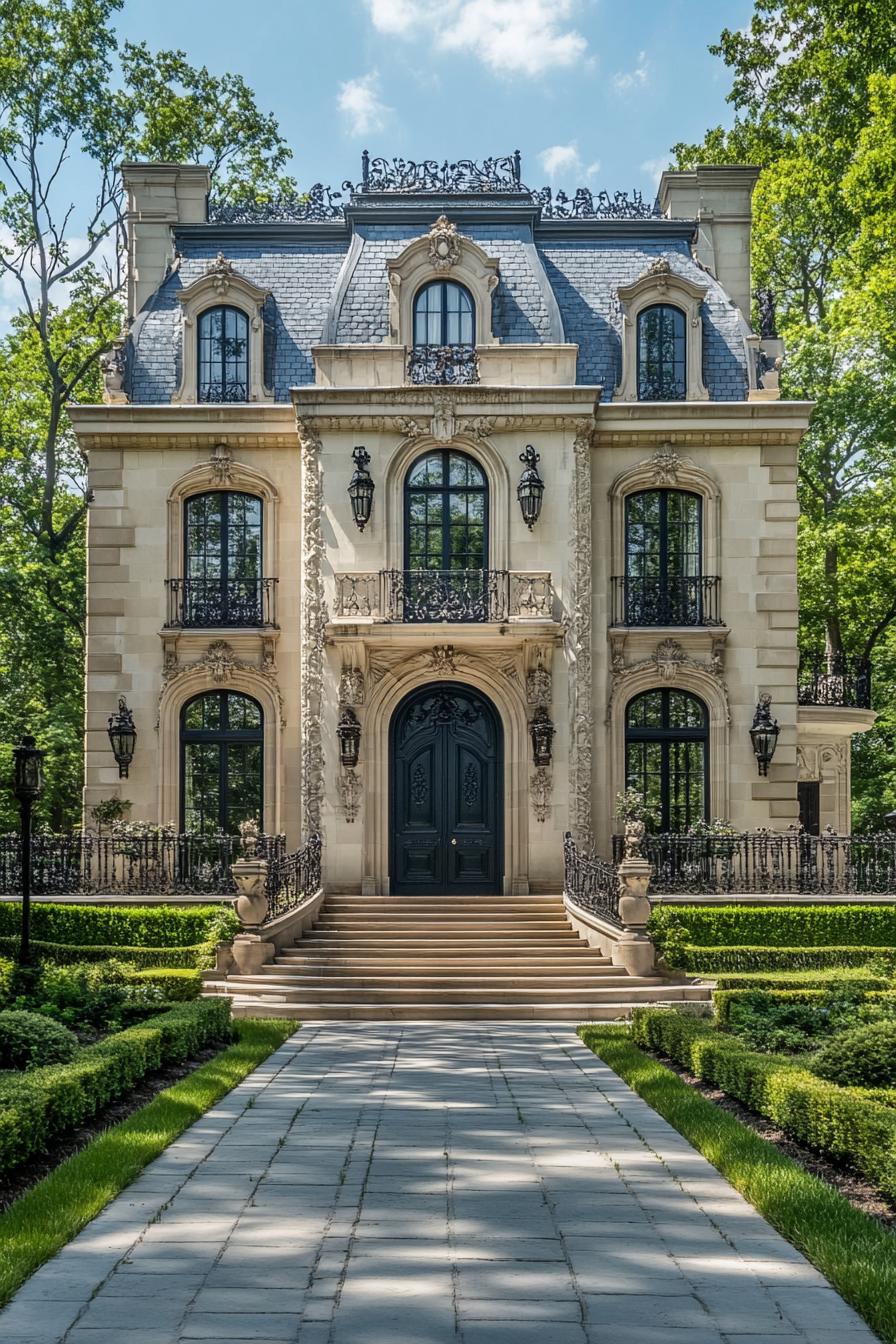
444,244
351,686
314,620
579,641
219,663
540,786
350,789
667,661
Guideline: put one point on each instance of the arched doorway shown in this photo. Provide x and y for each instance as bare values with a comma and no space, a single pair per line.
446,793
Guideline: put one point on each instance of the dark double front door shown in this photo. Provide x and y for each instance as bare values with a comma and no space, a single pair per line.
446,793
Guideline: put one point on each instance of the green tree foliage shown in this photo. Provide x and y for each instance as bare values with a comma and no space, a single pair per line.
814,93
67,88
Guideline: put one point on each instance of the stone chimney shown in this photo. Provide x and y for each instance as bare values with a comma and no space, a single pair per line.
160,196
719,199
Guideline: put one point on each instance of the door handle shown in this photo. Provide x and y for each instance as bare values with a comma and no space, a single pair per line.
453,840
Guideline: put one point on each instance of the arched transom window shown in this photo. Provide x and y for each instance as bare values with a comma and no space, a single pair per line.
223,559
662,368
443,315
223,355
667,757
446,539
663,558
222,735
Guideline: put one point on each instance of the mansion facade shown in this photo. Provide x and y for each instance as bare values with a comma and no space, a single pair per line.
433,518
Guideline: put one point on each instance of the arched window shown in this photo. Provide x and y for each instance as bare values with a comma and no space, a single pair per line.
443,315
667,756
223,582
221,737
446,539
223,355
661,355
663,558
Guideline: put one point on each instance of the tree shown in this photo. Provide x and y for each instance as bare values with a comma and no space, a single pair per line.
67,88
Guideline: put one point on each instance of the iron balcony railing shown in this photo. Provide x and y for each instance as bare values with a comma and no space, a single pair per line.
292,878
835,679
206,603
590,883
769,862
670,601
443,364
163,863
452,595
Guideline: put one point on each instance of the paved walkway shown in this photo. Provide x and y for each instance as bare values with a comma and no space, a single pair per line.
482,1183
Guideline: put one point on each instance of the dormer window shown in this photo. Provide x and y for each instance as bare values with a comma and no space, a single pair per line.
662,367
223,355
443,315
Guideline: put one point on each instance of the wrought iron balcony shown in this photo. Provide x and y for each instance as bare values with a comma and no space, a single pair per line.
670,601
218,392
206,603
452,595
443,364
836,680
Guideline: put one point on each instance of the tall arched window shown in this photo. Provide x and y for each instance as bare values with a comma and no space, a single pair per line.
444,315
446,539
662,372
223,355
223,582
667,756
663,558
222,754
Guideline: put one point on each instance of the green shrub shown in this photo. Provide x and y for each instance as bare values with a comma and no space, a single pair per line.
7,975
858,977
176,984
790,1022
28,1040
35,1107
784,926
191,957
128,925
705,960
833,1120
862,1057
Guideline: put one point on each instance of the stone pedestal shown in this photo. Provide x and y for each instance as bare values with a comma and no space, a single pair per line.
250,952
251,904
634,950
635,953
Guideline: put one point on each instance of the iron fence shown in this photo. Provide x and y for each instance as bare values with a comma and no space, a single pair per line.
684,600
293,877
590,883
835,679
414,595
443,364
759,862
206,603
87,863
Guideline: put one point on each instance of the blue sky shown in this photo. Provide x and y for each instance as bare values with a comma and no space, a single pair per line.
593,92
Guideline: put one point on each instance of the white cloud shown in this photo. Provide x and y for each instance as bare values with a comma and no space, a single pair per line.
360,103
626,81
509,36
593,169
654,168
560,160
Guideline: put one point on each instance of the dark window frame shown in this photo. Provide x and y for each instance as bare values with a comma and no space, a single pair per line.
443,286
678,374
666,735
445,489
663,525
224,738
217,387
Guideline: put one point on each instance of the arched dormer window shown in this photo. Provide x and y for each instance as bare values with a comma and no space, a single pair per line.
223,334
444,315
662,369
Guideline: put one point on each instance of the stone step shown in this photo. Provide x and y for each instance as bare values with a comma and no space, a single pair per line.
427,946
388,923
324,992
512,905
277,976
427,961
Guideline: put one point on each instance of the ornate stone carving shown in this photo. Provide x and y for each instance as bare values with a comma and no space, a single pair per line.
221,463
540,787
220,660
539,683
350,789
635,830
668,656
410,428
221,272
579,640
314,620
664,465
112,367
351,686
657,269
667,660
219,663
444,244
444,422
476,427
442,659
510,670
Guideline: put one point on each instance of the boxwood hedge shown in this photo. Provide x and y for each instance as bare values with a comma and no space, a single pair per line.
200,955
126,925
781,925
702,960
837,1121
38,1106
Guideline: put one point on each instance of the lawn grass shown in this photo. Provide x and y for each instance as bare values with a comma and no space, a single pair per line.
47,1216
853,1251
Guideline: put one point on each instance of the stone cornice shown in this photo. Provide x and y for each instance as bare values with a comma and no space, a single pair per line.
185,426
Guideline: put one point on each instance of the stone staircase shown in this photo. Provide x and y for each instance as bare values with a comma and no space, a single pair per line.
449,958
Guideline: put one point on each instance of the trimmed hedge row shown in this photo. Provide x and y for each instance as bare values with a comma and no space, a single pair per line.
174,982
131,926
778,925
36,1107
834,1120
198,956
703,960
849,977
722,999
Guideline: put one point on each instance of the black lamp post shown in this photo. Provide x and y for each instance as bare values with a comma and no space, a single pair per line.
764,733
123,737
349,734
530,490
360,489
28,783
542,733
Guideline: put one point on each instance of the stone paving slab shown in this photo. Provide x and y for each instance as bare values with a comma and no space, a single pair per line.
469,1183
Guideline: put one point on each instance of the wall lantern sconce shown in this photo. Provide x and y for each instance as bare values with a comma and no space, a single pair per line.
123,737
764,733
360,490
349,734
542,731
530,490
